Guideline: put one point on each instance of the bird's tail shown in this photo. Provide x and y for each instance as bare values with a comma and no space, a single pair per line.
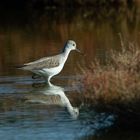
19,66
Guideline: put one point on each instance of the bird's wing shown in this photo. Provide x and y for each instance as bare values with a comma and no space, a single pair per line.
46,62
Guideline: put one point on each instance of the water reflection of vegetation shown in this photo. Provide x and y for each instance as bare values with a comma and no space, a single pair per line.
20,37
115,134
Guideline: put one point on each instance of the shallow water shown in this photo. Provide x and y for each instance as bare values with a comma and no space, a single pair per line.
29,109
28,112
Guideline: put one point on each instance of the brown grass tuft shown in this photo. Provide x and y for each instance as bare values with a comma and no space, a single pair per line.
115,86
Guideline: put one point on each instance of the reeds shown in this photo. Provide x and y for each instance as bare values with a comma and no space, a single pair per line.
115,85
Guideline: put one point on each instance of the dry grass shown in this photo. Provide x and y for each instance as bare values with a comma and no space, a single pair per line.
115,87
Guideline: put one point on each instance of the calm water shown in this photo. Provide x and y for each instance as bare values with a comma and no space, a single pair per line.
31,110
41,112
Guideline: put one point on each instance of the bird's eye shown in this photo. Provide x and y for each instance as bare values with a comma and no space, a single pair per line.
73,44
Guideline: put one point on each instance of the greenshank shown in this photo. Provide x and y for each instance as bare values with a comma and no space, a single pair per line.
47,67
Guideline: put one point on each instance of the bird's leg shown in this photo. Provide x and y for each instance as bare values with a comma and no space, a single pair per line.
47,80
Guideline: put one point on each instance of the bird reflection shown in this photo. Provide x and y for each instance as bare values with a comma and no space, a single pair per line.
54,95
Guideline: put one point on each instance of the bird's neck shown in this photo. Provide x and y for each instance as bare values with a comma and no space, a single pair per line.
66,102
66,53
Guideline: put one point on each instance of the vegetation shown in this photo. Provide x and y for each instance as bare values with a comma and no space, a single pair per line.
115,85
40,3
98,11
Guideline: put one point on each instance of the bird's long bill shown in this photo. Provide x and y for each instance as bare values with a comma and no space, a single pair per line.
78,50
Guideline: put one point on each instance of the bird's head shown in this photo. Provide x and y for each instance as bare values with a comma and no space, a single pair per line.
74,112
71,45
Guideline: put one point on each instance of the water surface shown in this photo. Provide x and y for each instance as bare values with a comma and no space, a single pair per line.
28,112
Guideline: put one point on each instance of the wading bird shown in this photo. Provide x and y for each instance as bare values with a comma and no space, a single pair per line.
47,67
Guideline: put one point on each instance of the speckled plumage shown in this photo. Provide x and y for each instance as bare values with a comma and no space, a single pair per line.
46,62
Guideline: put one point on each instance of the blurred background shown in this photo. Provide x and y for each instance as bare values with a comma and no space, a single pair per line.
31,29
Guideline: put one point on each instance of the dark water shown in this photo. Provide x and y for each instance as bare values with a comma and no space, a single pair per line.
31,110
